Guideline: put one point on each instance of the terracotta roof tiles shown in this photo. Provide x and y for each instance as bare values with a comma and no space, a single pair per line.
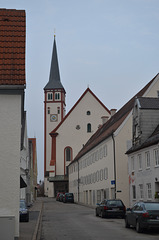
12,47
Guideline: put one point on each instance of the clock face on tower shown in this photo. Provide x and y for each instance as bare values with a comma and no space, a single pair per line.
53,117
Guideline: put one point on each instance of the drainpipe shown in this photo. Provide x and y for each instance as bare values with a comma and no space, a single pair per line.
114,163
78,180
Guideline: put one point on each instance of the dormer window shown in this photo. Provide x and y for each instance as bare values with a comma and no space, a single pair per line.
49,96
57,96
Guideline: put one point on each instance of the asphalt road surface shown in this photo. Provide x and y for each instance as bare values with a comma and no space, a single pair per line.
65,221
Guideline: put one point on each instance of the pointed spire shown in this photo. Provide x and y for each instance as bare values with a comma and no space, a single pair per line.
54,79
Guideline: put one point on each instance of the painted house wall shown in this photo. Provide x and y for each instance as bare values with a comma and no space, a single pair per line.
10,124
143,175
123,136
68,135
95,175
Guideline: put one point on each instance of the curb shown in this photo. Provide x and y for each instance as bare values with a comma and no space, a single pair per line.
37,224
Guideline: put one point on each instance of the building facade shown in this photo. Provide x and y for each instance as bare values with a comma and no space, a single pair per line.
12,87
143,157
64,135
95,173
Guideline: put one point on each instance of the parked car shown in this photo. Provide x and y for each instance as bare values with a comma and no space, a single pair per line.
143,215
23,212
61,197
111,208
58,196
68,197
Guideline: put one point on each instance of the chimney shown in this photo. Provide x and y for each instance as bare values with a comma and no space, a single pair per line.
112,112
104,119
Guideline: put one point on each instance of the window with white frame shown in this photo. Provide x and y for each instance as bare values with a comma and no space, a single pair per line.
132,164
156,157
149,191
139,158
147,156
57,96
141,192
133,191
49,96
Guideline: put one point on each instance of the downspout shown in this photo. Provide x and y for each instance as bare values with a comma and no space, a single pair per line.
114,163
78,180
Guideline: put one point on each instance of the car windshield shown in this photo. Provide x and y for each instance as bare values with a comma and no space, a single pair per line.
152,206
114,203
22,204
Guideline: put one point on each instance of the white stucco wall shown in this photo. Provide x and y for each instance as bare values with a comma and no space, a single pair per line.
10,133
122,136
143,175
68,135
96,172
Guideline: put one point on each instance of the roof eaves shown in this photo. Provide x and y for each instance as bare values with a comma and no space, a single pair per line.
112,124
87,90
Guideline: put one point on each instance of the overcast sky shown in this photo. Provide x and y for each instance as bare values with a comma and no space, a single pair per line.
112,46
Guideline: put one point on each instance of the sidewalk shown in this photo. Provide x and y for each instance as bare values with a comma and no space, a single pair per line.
29,230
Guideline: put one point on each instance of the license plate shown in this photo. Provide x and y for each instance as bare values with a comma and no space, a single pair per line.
115,209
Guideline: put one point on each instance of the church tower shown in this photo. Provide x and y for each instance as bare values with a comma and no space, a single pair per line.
54,112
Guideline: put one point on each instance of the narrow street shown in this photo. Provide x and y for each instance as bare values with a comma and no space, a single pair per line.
75,222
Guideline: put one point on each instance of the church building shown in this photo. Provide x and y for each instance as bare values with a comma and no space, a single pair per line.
66,134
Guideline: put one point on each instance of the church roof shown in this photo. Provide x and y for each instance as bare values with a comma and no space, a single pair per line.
112,124
12,47
54,79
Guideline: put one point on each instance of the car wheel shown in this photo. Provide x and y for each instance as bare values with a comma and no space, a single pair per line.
127,225
138,227
97,215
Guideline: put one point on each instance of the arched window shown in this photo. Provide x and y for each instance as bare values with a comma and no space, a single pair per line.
88,127
57,96
49,96
68,154
88,113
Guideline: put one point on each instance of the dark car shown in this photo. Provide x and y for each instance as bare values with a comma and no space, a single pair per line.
143,215
68,197
61,197
23,212
111,208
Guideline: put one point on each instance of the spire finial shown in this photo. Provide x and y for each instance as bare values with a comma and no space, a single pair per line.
54,32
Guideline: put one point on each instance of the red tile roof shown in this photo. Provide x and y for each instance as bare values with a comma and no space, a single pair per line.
12,47
112,124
